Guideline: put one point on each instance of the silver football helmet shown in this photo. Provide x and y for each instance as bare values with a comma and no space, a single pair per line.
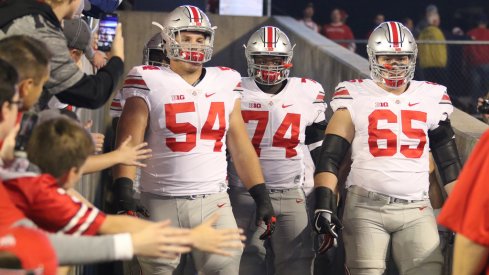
269,41
192,19
392,38
153,52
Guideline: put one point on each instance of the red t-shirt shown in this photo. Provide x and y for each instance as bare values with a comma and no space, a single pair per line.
478,54
9,214
342,32
466,209
51,208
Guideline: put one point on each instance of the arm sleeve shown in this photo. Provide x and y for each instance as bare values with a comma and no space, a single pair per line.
465,210
71,250
93,91
342,98
135,86
56,211
102,248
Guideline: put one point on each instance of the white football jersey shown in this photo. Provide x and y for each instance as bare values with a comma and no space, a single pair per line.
276,125
186,130
390,150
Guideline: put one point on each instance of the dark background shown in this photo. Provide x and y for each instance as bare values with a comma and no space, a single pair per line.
461,13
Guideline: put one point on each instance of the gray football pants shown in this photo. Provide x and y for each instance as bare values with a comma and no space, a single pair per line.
289,252
188,213
370,222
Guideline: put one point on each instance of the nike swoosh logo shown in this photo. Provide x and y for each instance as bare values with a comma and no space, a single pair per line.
220,205
412,104
286,106
299,200
208,95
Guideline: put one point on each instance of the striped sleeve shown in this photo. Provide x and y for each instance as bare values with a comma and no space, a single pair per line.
319,105
342,98
135,86
56,211
116,105
445,106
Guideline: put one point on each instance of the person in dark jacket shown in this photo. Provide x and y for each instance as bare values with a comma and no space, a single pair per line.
42,20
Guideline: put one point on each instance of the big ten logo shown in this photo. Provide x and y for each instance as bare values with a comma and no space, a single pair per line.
381,104
177,97
254,105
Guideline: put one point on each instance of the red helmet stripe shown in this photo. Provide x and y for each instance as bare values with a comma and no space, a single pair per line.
396,35
194,14
270,31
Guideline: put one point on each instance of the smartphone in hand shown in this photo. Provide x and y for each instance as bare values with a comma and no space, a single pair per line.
106,31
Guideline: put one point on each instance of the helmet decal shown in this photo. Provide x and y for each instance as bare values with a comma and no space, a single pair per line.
194,15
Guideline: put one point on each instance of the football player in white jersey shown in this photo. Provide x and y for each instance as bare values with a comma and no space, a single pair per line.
277,109
391,122
189,115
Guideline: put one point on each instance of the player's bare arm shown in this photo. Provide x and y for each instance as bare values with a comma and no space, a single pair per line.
244,155
470,258
132,123
340,125
336,144
249,171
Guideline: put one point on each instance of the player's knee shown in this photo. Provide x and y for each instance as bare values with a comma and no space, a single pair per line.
216,264
157,265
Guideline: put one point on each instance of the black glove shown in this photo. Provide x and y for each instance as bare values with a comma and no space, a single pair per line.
124,202
325,222
264,209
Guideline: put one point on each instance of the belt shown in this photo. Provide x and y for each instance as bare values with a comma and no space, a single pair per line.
378,196
281,190
190,197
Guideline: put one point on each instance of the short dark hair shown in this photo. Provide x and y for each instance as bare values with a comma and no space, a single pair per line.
29,56
8,81
59,144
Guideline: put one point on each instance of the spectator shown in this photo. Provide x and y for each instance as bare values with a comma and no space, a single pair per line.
433,57
111,246
95,8
465,213
478,59
378,19
307,15
423,23
338,30
67,82
408,23
78,38
27,250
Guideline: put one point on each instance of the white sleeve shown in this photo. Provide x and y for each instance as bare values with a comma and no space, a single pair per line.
135,86
444,109
320,107
342,98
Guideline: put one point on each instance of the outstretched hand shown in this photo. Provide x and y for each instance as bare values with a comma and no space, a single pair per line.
162,241
218,241
133,155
